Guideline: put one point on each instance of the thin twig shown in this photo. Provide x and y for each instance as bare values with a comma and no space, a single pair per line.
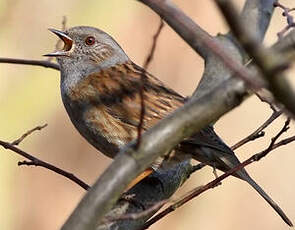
153,48
289,17
35,161
143,79
59,41
273,140
64,23
27,163
258,132
284,142
196,192
42,63
19,140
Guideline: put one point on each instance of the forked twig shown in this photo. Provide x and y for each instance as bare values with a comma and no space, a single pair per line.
289,17
36,162
258,132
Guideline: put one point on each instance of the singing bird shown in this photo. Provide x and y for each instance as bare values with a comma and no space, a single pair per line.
100,89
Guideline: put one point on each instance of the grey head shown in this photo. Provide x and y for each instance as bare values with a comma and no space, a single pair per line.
87,48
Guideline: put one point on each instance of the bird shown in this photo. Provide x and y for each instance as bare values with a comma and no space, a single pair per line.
101,91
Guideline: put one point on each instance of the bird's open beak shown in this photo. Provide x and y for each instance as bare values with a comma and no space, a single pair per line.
68,42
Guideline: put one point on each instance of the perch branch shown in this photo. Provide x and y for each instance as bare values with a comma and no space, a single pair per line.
42,63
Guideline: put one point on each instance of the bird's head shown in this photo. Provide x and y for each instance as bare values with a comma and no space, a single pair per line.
88,46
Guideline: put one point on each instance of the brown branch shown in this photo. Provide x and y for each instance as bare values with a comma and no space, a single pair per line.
19,140
143,79
274,139
35,161
259,131
284,142
197,191
153,48
42,63
27,163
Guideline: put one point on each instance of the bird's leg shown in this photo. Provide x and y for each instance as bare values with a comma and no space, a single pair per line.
215,174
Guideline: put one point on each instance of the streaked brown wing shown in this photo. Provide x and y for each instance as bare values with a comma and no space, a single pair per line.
159,100
114,105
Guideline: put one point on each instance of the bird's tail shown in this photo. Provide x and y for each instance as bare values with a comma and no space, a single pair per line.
244,175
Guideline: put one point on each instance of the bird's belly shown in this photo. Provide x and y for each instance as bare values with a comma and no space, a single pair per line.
99,128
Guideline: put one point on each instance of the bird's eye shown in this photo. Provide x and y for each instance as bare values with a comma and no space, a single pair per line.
90,41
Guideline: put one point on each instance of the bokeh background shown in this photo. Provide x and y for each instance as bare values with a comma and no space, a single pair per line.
35,198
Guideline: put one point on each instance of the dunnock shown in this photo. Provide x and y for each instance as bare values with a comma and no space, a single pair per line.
100,88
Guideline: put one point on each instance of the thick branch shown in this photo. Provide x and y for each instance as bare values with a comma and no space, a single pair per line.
286,46
258,13
271,63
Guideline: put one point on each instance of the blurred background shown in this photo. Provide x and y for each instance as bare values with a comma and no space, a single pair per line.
35,198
